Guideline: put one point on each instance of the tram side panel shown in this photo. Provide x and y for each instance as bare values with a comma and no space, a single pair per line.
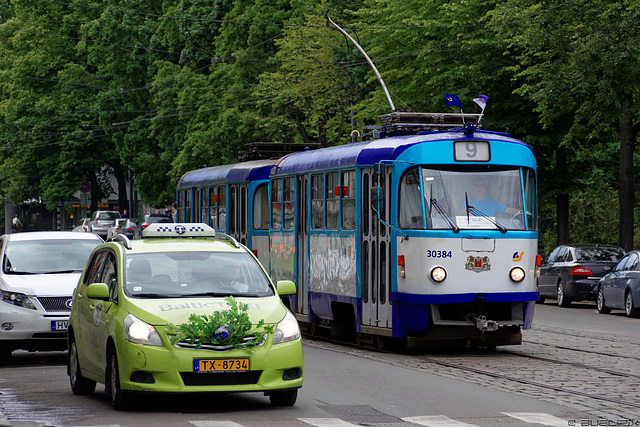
282,255
332,272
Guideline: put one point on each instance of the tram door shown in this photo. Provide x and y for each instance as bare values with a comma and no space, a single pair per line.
375,277
237,215
302,294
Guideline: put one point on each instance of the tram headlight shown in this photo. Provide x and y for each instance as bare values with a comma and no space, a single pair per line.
517,274
438,274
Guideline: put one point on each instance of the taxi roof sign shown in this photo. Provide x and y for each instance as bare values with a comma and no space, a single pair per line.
191,229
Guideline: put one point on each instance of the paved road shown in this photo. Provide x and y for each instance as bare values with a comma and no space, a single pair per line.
575,367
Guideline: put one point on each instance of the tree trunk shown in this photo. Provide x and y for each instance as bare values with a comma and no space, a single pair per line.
123,201
562,200
95,190
626,189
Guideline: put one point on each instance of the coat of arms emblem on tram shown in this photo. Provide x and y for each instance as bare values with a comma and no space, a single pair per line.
478,263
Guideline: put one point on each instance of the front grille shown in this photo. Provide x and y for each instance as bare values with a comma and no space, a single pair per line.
221,378
56,303
217,347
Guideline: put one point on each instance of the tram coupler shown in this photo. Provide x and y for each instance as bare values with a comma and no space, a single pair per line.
482,323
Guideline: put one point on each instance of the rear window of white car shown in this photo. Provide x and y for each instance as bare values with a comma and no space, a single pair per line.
103,216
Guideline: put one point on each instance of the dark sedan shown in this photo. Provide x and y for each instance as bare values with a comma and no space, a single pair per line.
571,272
621,287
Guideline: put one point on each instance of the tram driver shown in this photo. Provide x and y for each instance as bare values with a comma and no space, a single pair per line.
486,204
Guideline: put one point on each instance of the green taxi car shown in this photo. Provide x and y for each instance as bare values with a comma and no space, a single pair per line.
182,310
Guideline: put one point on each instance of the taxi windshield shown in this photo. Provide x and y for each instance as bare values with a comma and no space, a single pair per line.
191,274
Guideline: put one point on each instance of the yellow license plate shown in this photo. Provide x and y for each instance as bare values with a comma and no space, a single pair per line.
221,365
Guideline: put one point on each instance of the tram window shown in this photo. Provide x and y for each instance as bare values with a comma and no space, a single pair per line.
333,200
276,204
374,272
530,201
410,201
181,206
493,195
348,200
385,197
213,207
261,207
317,201
232,210
222,208
365,272
243,210
288,203
365,204
383,273
187,205
204,204
196,204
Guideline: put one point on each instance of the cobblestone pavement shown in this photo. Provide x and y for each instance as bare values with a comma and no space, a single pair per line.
596,375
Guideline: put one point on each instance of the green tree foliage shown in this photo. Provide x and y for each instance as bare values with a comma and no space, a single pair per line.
158,88
42,110
578,62
307,98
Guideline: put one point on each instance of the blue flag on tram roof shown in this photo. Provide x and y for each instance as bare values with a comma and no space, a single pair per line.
452,100
481,101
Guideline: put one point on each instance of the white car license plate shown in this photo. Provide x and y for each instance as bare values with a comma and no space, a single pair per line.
59,325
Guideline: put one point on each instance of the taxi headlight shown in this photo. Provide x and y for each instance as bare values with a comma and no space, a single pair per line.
287,330
139,332
517,274
16,298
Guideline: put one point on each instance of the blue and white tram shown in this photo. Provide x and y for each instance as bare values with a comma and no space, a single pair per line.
427,238
430,238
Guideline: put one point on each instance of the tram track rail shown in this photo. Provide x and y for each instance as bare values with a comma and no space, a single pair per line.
557,384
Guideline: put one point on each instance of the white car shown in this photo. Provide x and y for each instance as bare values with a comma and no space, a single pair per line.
83,226
39,272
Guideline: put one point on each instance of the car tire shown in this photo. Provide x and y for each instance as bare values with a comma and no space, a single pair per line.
79,384
563,299
283,398
629,308
5,357
541,300
600,302
118,397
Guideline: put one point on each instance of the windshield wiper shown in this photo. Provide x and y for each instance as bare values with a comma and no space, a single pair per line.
61,272
209,294
478,212
444,214
154,295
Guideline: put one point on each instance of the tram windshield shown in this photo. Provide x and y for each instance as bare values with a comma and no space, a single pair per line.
489,198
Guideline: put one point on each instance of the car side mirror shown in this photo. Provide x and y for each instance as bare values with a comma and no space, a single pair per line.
285,287
98,291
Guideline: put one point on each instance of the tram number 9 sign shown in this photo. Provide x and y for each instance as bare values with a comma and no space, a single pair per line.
471,151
